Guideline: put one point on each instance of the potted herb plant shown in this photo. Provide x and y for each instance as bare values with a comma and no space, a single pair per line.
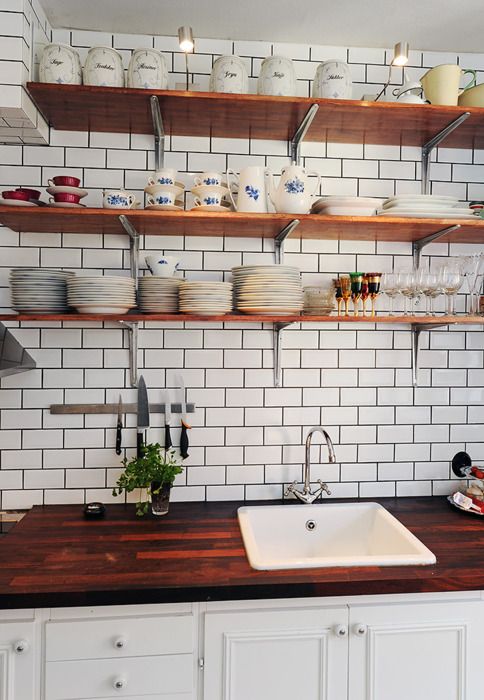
154,473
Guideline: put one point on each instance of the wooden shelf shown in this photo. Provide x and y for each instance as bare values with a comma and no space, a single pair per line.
246,318
127,110
233,224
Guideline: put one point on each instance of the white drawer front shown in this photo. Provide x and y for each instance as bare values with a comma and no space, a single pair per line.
155,675
123,637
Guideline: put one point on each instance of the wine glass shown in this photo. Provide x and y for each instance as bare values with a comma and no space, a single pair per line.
374,288
346,291
471,267
338,293
356,280
430,287
450,281
365,292
407,283
389,285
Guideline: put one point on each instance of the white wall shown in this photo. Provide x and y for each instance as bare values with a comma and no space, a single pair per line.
247,437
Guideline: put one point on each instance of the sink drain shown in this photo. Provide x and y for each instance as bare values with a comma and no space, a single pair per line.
310,525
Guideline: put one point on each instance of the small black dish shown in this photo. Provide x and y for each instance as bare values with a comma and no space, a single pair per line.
94,511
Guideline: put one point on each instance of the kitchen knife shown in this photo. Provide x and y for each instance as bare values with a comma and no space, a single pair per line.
184,423
119,426
168,442
143,415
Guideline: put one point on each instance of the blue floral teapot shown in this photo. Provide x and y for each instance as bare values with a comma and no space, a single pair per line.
295,192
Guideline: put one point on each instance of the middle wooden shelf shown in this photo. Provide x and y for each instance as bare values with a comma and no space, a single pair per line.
90,220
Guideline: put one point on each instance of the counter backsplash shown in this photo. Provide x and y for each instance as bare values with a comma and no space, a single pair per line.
247,437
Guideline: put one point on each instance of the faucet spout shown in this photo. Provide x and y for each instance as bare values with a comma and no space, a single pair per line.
306,495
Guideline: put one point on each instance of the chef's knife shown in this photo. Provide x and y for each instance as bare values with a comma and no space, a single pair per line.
119,426
184,423
143,415
168,442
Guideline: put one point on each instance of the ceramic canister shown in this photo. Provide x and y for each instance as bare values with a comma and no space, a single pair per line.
277,77
60,64
333,80
229,74
147,69
104,66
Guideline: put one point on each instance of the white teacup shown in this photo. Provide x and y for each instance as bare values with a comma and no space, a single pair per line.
118,199
211,198
208,179
162,196
165,176
162,265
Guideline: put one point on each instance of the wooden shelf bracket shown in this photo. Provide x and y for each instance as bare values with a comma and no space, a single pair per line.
428,147
133,330
416,330
159,132
278,328
279,241
300,133
417,246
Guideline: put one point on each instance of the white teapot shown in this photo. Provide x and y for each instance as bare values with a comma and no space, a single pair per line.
294,193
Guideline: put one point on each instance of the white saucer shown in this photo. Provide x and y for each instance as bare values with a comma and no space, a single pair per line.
164,207
66,205
17,203
177,189
212,207
67,190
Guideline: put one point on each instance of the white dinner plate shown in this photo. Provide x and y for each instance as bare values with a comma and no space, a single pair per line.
426,215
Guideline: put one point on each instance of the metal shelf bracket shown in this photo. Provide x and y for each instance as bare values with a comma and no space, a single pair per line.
301,133
428,147
159,132
133,247
133,329
416,329
280,238
278,328
417,246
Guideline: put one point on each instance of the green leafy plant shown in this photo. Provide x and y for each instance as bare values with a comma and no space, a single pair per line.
155,468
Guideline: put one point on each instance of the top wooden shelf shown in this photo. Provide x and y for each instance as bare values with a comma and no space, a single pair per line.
127,110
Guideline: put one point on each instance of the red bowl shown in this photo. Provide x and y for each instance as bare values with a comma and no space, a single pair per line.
66,197
66,181
15,194
32,194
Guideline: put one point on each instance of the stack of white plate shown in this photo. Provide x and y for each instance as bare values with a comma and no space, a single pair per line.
426,206
206,298
158,294
102,294
347,206
267,289
37,290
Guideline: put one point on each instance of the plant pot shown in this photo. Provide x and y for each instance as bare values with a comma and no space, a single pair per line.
160,498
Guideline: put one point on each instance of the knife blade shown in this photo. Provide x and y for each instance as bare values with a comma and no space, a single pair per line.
184,443
143,422
119,425
168,441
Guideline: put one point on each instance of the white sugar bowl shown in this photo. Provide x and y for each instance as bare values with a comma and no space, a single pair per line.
148,70
60,64
229,74
104,67
277,77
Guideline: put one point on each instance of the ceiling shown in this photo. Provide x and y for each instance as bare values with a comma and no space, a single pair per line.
434,25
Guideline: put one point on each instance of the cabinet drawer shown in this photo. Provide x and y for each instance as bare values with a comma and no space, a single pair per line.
155,675
119,637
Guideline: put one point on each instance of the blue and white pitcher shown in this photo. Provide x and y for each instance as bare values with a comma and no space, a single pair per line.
295,192
252,196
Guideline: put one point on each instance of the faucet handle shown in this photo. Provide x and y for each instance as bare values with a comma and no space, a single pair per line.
291,488
324,487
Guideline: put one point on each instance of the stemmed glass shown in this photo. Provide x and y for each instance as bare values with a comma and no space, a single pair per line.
374,288
450,280
338,293
356,285
389,285
407,283
471,267
346,291
365,292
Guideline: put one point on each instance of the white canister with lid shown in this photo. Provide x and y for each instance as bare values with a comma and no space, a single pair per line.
333,81
60,64
277,77
229,74
147,69
104,67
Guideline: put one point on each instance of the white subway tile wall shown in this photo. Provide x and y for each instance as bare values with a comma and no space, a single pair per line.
247,436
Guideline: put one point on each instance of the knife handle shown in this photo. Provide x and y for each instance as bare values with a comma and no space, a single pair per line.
168,442
139,445
184,441
119,428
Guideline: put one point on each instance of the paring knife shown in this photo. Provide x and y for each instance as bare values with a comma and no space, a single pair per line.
184,423
143,415
119,426
168,442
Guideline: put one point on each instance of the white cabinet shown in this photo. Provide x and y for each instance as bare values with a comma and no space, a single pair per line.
18,661
416,650
277,653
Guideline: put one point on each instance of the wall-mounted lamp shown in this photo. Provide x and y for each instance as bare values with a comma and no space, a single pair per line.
400,58
187,45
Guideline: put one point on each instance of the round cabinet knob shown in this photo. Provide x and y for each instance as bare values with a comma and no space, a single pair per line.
21,646
119,683
361,629
120,642
341,630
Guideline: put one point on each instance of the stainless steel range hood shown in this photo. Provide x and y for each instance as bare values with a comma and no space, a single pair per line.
13,357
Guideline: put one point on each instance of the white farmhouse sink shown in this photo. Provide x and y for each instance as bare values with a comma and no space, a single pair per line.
328,534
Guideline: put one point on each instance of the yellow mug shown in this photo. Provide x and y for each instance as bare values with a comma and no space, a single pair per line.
441,84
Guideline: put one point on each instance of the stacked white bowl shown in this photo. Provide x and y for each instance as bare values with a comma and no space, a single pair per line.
39,290
267,289
158,294
107,294
206,298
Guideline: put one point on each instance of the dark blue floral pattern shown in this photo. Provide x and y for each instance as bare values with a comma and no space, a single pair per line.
163,200
165,181
210,181
211,200
253,192
294,186
117,200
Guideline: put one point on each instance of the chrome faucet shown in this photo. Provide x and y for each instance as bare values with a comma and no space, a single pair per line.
306,495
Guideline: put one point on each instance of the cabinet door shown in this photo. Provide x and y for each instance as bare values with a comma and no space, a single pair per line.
17,661
416,650
278,653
